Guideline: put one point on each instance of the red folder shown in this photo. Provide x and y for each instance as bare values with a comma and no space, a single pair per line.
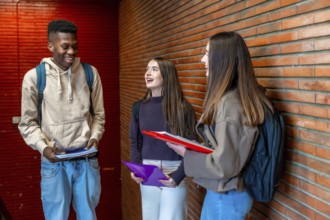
168,137
151,174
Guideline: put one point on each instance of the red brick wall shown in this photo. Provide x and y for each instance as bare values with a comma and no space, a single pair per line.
22,46
289,43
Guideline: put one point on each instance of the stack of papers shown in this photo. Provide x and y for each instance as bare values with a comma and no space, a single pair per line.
77,153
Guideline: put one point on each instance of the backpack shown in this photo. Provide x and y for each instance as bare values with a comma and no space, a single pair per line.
136,111
41,85
261,174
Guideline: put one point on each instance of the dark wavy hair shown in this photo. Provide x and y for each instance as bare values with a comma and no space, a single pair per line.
178,112
230,67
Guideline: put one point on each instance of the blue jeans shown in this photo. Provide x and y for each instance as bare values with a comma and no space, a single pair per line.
62,182
231,205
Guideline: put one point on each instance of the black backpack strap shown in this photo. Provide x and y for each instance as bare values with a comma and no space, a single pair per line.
136,111
90,79
41,85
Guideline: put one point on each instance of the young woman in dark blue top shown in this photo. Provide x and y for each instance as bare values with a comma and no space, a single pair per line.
162,108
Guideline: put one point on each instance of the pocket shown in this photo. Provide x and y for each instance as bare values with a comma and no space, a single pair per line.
49,169
94,163
74,133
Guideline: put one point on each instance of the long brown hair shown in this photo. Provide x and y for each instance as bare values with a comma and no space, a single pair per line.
178,112
230,67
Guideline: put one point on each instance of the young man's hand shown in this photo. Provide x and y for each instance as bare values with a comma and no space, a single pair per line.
91,143
49,153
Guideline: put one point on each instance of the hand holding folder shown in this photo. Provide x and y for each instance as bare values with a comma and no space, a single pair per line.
151,174
168,137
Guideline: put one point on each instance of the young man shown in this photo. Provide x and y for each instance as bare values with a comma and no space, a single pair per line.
66,124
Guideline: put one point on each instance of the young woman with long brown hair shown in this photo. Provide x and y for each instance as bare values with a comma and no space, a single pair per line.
163,108
233,107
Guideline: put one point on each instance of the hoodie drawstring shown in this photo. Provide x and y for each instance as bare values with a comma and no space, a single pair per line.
69,71
70,96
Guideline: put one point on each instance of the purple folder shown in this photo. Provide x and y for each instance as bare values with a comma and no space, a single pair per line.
150,173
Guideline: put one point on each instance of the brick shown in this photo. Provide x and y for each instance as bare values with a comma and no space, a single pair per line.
263,51
298,171
323,180
310,110
269,6
257,20
298,21
278,83
259,72
311,6
314,163
257,41
319,216
322,16
282,13
317,138
267,212
323,99
299,71
308,123
302,46
322,44
278,61
253,3
295,208
312,59
269,27
314,31
302,146
293,96
317,85
317,191
304,200
289,2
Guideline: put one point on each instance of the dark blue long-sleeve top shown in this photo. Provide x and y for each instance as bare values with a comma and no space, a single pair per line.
151,118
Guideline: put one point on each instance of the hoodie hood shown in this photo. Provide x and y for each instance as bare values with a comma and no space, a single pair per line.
57,72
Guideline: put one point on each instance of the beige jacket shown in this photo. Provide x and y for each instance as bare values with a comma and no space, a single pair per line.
232,142
66,120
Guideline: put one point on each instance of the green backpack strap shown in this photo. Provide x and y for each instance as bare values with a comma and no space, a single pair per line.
41,85
90,79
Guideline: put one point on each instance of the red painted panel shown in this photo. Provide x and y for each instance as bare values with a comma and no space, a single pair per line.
23,44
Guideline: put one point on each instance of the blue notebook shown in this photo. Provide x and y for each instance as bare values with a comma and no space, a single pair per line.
77,153
150,173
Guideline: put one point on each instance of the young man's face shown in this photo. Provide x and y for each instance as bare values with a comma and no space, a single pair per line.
64,47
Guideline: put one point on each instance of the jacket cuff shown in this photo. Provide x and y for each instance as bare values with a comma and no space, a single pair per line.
178,175
40,146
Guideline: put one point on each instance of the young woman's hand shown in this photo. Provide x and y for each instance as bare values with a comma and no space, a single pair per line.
168,183
136,179
177,148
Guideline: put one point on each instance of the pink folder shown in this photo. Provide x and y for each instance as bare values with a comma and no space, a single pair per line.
150,173
168,137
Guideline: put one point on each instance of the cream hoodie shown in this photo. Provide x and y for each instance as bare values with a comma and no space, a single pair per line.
66,120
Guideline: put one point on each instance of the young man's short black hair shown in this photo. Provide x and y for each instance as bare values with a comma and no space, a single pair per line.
63,26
